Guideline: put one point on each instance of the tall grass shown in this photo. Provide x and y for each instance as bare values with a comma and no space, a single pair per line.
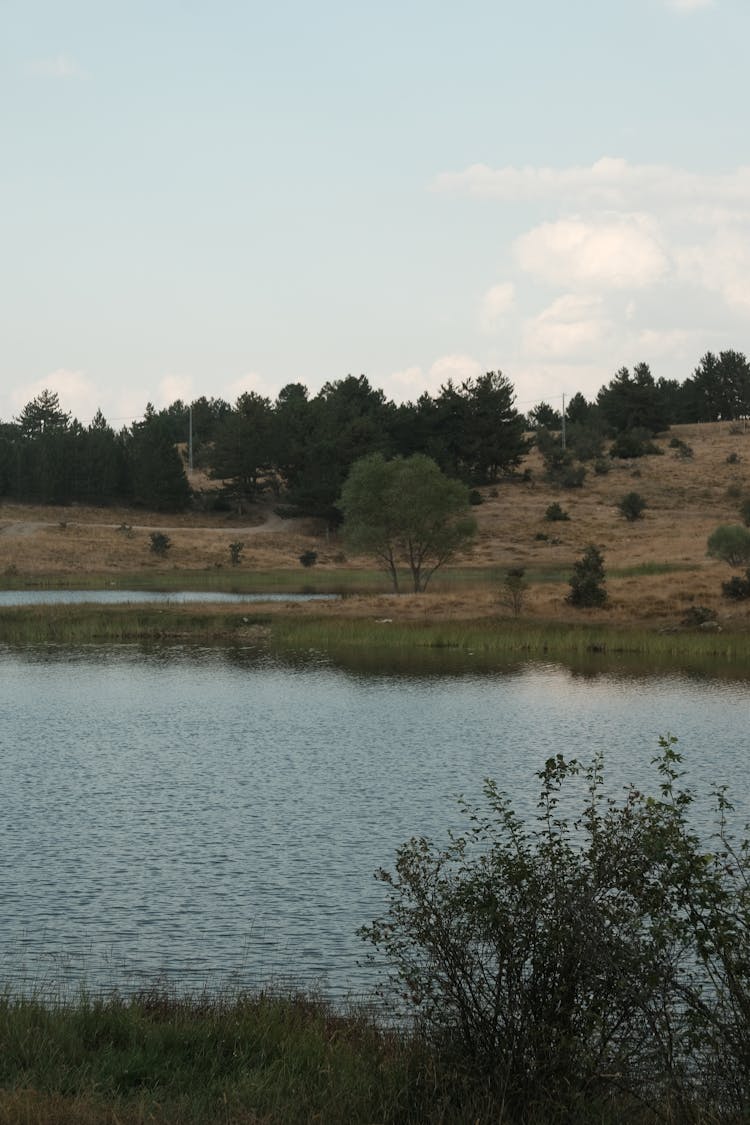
89,624
247,1060
505,636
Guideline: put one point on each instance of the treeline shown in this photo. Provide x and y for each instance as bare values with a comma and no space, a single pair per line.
301,447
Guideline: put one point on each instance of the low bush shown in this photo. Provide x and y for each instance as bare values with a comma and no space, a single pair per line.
235,552
745,511
730,543
555,513
737,589
160,543
633,443
593,959
632,506
308,558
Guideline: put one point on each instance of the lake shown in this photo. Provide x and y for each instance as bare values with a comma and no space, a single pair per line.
215,815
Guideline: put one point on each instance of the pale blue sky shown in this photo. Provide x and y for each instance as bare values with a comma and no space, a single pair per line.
201,198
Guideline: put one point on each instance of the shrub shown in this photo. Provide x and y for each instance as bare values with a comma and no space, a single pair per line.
601,467
733,458
160,543
514,589
308,558
681,447
633,443
737,589
632,506
555,513
588,579
698,615
475,497
235,552
599,952
745,511
730,543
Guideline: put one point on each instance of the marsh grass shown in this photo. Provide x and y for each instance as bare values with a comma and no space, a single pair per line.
90,624
257,1059
505,636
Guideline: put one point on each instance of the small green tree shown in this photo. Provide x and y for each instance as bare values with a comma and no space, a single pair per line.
235,551
160,543
514,589
730,543
555,512
405,512
632,506
588,579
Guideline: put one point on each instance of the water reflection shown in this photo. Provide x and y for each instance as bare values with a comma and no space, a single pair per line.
216,814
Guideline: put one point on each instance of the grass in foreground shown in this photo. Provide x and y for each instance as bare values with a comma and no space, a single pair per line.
246,1060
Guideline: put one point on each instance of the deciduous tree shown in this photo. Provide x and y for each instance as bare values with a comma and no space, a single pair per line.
405,512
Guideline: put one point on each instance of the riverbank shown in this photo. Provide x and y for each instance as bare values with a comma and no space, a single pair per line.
351,628
243,1060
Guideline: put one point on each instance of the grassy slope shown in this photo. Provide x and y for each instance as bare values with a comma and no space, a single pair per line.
657,566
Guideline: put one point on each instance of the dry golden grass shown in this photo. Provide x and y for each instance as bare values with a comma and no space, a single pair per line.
686,498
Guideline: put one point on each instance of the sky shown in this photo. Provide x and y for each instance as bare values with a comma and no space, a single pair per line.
204,198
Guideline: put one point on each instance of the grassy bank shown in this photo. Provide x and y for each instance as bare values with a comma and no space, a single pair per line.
93,624
248,1060
385,640
506,636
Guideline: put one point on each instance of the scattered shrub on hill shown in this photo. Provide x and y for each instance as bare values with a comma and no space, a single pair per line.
730,543
698,615
681,447
235,552
597,955
632,506
633,443
475,497
587,584
559,465
745,511
733,458
308,558
555,512
601,467
160,543
514,589
737,589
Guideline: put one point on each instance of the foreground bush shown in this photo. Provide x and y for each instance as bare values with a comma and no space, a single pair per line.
590,960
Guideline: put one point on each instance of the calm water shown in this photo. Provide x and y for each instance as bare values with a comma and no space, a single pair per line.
216,816
125,597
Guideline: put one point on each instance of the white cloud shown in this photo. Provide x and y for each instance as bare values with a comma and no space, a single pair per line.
253,382
688,5
455,367
60,67
610,182
496,303
618,252
570,327
77,393
411,382
172,387
721,265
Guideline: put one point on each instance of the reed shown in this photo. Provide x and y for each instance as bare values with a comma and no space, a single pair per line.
92,624
506,636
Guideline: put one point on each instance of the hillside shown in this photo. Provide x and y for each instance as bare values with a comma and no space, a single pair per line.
686,497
